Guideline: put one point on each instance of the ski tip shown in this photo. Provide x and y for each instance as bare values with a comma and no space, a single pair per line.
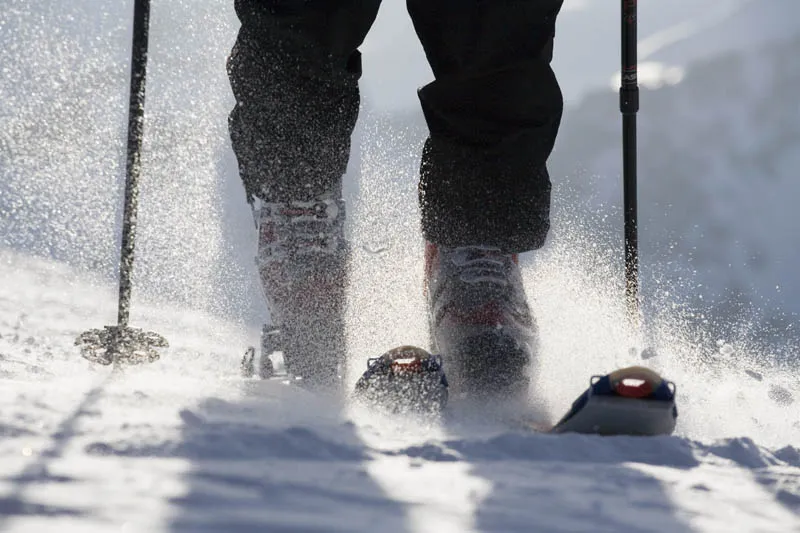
629,401
406,378
407,351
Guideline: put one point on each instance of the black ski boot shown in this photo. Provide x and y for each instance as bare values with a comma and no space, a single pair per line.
302,261
480,320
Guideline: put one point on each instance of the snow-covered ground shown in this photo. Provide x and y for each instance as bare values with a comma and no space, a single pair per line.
185,445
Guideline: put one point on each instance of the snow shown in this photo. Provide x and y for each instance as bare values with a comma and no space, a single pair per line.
186,445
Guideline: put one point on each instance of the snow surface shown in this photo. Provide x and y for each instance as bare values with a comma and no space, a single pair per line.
185,445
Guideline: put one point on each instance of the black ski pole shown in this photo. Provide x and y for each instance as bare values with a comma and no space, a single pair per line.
120,343
141,16
629,106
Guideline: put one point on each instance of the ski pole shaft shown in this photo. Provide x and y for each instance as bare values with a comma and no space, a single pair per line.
141,16
118,345
629,106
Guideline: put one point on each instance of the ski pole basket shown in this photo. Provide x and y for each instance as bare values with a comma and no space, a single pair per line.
120,345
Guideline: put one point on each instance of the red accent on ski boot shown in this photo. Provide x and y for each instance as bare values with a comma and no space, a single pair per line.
479,318
302,261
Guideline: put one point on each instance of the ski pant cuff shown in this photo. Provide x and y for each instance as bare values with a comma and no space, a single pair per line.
460,206
483,177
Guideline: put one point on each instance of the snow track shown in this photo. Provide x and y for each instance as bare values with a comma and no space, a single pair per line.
186,446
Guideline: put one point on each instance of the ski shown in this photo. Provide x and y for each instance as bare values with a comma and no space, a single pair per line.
634,401
629,401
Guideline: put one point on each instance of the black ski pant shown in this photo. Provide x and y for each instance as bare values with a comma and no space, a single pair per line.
493,110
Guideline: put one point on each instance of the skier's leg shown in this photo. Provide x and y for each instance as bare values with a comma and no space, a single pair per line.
294,72
493,112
